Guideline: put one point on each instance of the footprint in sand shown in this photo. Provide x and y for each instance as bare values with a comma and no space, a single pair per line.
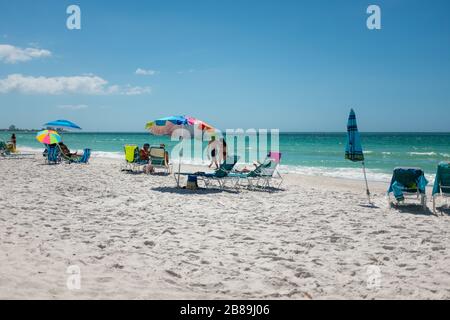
173,274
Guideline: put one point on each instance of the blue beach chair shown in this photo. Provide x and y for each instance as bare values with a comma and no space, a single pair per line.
408,181
53,155
441,183
84,158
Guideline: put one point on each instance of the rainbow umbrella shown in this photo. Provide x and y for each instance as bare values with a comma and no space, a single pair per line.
167,126
48,137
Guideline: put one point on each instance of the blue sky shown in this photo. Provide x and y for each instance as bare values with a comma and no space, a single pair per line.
292,65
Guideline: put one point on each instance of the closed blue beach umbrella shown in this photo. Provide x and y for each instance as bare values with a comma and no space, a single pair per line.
353,150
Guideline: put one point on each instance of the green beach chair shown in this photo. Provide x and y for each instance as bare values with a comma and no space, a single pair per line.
159,160
133,161
264,176
4,150
441,184
219,176
84,158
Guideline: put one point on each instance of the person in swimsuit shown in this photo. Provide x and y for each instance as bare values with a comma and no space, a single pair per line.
212,152
144,153
66,151
224,151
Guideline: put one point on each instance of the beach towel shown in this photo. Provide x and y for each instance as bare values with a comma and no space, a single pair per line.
408,180
442,178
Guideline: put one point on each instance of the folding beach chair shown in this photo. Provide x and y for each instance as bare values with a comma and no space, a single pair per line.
159,159
264,176
84,158
8,152
408,182
441,184
132,158
220,176
53,154
4,150
273,174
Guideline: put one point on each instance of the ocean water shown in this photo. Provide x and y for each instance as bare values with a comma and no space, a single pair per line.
306,153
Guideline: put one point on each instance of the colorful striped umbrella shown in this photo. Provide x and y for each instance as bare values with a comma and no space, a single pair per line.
353,150
48,137
166,126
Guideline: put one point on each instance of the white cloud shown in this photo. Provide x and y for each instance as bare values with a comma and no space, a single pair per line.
12,54
73,107
134,91
143,72
85,84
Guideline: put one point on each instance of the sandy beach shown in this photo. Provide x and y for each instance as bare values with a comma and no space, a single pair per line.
136,236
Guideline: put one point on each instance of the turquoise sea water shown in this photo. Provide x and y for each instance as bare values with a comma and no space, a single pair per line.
308,153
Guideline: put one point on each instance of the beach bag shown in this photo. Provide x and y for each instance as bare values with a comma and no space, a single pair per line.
192,183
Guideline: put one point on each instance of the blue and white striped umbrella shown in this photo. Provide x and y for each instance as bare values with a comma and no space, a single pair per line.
353,150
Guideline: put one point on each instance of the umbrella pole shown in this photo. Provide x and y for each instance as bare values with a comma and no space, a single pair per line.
365,179
179,171
179,163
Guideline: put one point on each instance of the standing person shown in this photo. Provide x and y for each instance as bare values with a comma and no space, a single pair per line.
224,151
13,142
212,152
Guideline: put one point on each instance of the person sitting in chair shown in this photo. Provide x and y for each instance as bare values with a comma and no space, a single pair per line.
66,151
256,164
144,153
166,154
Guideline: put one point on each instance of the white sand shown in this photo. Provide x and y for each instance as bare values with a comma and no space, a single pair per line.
137,236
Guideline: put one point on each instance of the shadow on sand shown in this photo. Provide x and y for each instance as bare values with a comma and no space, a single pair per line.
131,172
184,191
415,209
443,210
370,206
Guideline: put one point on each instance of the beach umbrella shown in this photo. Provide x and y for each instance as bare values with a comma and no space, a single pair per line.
65,124
166,126
353,150
48,137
